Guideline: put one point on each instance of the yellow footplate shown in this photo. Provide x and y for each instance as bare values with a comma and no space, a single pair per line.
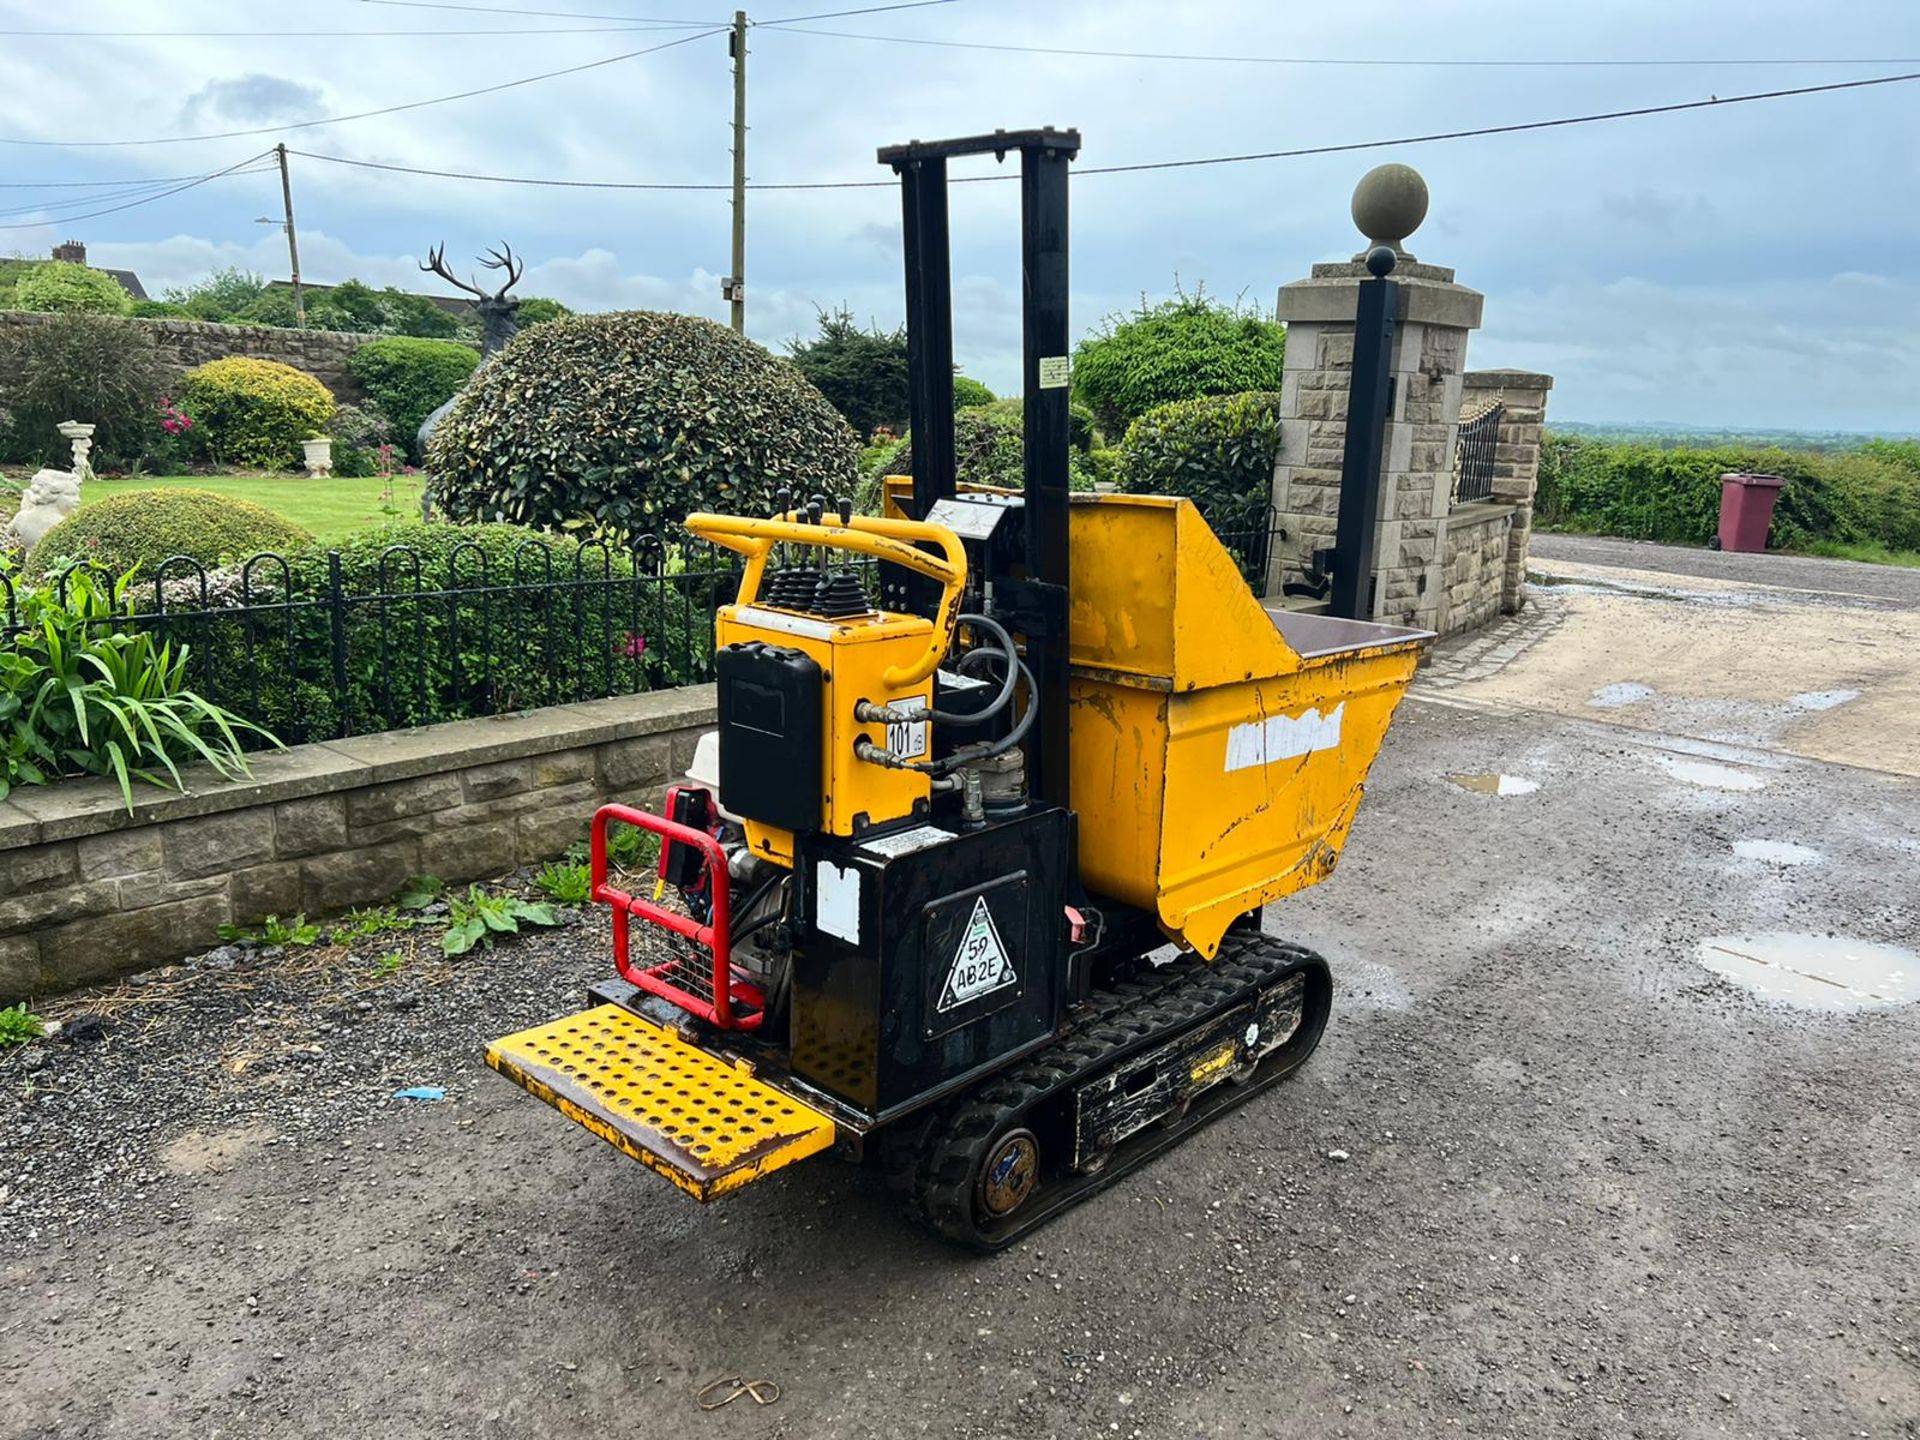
704,1123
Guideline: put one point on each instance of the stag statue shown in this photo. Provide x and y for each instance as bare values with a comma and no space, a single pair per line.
497,310
498,325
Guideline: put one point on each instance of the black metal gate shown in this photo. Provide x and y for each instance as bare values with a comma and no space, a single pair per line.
1474,457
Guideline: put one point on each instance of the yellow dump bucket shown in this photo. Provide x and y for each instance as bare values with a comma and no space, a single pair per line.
1220,747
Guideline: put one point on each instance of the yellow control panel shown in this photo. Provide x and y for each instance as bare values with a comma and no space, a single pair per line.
881,657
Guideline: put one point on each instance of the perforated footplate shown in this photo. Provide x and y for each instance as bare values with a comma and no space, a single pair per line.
705,1124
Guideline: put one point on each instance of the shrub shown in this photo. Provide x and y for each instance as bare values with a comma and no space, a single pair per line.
1081,431
537,310
968,392
409,379
85,691
358,433
415,315
145,527
254,412
89,367
863,373
223,295
629,421
61,288
1180,349
271,307
486,636
989,449
1219,452
160,310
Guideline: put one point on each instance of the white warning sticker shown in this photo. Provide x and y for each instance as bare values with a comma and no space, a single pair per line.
907,739
980,964
1056,372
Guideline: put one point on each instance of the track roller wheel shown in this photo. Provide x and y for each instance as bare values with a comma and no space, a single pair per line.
982,1168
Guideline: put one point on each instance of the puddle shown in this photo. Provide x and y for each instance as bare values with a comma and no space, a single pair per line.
1491,784
1619,695
1776,852
1813,972
1822,699
1712,777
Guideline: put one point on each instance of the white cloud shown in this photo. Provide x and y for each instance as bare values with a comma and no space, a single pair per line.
1691,267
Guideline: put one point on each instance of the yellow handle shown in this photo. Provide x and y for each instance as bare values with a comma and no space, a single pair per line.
894,541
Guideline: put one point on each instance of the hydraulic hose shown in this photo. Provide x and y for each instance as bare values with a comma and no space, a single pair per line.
871,714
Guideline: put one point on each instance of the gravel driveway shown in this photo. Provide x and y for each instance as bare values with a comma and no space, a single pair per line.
1548,1176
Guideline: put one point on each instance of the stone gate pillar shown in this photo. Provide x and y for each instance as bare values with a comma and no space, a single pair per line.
1434,318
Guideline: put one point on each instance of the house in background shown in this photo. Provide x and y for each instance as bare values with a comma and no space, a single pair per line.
74,252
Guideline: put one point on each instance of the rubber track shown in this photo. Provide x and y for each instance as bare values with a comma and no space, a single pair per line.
1143,1009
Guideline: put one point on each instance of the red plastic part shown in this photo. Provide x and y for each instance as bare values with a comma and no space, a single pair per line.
1746,510
736,1005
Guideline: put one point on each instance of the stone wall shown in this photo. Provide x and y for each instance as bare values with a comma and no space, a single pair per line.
184,344
89,891
1516,465
1475,567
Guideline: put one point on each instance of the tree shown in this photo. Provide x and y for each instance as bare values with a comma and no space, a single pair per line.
1179,349
350,305
537,310
416,315
862,372
61,288
222,295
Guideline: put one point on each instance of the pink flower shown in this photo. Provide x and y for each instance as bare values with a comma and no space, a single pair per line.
633,647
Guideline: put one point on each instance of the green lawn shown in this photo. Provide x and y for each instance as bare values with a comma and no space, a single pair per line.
331,509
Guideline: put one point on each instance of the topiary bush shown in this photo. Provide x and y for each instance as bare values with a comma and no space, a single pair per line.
254,412
630,421
86,367
410,378
968,392
1218,451
61,288
1180,349
145,527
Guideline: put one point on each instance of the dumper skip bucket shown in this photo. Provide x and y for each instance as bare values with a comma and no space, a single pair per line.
1219,748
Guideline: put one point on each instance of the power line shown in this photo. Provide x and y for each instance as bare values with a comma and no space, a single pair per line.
1308,60
148,200
1639,111
628,29
364,114
839,14
46,208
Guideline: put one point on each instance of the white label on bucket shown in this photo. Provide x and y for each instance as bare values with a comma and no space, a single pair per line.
1282,737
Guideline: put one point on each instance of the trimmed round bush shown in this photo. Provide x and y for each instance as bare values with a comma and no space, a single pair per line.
62,288
968,392
148,527
1219,451
1180,349
409,378
254,412
631,421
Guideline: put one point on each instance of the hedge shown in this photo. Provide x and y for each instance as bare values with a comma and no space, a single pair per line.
1217,451
409,379
63,288
1869,496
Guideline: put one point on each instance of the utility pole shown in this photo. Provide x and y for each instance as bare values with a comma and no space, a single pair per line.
736,287
293,245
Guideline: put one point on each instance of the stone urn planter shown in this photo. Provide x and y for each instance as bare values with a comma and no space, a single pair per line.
319,454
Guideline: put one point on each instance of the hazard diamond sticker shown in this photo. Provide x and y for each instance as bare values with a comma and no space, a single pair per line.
980,964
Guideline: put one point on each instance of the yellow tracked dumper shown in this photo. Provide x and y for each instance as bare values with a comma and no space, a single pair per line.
970,875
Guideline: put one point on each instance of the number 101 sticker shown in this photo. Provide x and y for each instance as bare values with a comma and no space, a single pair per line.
907,739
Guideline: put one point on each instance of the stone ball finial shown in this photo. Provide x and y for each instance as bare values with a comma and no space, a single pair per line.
1388,205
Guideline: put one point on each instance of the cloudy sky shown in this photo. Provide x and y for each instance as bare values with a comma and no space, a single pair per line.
1755,265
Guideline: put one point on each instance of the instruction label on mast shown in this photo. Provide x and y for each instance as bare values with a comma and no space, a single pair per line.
980,964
